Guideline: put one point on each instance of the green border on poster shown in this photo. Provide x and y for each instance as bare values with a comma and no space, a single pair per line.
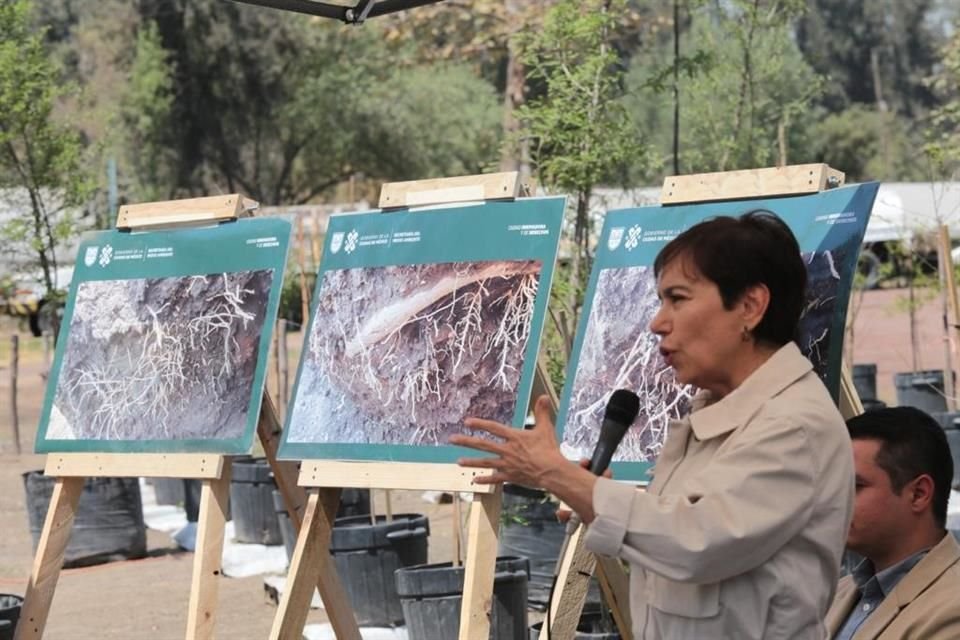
242,245
525,229
822,221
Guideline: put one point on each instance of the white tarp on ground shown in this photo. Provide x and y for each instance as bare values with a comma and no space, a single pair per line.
239,559
325,632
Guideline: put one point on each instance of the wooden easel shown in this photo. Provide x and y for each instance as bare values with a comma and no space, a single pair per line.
578,565
71,469
324,476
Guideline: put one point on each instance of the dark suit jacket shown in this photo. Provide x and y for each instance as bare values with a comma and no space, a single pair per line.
925,604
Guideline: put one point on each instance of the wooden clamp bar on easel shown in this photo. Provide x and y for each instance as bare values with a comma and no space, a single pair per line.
70,470
322,476
577,566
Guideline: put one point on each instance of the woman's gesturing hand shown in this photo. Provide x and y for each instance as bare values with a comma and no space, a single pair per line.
521,456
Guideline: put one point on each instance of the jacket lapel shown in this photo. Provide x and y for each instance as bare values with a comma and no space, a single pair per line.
941,557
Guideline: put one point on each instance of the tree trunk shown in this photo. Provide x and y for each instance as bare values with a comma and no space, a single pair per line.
514,153
676,87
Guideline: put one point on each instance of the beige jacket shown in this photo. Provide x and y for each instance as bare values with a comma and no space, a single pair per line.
741,531
925,604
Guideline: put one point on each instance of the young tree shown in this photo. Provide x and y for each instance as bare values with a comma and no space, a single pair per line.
579,133
40,158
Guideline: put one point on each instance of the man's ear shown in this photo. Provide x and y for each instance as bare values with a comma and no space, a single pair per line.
921,493
753,304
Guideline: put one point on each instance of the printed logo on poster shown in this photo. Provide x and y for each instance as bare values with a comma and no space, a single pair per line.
106,254
336,241
351,243
615,237
633,237
90,256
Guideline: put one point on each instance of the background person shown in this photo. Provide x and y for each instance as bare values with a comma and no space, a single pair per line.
908,586
741,531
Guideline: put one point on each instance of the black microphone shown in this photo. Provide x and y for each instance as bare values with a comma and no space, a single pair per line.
621,411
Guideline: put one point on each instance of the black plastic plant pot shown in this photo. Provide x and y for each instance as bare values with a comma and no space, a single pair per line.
354,502
529,529
865,381
432,597
921,389
9,614
367,555
286,527
109,521
251,502
169,491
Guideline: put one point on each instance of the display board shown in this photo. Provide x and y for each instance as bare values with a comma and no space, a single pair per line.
421,319
614,347
164,340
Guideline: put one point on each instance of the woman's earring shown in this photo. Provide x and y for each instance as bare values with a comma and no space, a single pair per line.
745,336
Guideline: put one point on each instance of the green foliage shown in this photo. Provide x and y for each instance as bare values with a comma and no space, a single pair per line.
745,90
291,300
868,145
145,113
581,134
436,120
40,159
875,52
943,132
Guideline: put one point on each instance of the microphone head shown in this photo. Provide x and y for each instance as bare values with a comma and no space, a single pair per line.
622,407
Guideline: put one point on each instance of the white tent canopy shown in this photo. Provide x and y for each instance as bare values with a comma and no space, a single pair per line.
903,209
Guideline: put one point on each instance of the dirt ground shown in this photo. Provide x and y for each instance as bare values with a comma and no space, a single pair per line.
145,598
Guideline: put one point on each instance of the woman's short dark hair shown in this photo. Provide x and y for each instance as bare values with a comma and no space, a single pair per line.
912,443
738,253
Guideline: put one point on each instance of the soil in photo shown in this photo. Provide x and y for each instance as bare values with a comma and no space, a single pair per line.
402,354
815,334
620,352
161,359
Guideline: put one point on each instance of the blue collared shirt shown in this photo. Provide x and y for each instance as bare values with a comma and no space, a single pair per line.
874,587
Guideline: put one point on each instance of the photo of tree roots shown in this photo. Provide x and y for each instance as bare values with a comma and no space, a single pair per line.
815,334
162,358
402,354
619,351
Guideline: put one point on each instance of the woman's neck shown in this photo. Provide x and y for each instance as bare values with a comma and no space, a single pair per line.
753,357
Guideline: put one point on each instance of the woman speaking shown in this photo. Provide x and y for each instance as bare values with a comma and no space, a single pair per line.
740,532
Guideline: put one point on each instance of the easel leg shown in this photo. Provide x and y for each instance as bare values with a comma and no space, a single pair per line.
484,523
566,605
615,585
312,567
208,556
284,471
49,558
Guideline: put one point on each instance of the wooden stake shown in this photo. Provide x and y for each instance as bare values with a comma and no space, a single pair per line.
14,364
304,294
315,241
950,281
283,384
276,368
